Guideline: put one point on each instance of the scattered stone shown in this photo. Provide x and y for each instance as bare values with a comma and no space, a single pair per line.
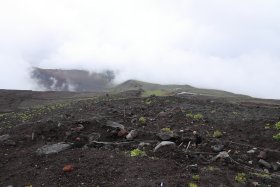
164,136
4,138
132,134
78,129
144,144
275,166
265,163
163,114
114,125
255,183
68,168
221,155
252,151
262,155
51,149
10,143
250,162
266,171
193,168
217,148
122,133
134,121
164,144
93,137
9,186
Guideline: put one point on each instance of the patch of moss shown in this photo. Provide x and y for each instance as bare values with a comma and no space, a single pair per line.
137,152
277,137
217,134
166,129
193,185
196,177
262,175
198,116
142,120
277,125
194,116
240,178
189,115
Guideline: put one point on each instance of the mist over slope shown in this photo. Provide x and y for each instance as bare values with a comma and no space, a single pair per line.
72,80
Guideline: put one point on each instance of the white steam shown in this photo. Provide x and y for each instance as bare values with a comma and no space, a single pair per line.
230,45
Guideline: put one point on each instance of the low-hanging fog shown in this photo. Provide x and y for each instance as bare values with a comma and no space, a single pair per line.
230,45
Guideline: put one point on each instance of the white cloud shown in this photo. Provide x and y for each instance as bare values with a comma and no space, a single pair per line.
230,45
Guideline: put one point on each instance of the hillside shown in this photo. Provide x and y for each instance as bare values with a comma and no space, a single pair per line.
127,139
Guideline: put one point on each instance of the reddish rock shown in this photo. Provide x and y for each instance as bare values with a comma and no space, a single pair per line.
262,155
68,168
122,133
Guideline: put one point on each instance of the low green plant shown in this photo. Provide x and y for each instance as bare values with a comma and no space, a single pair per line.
240,178
277,125
198,116
217,134
189,115
262,175
211,168
192,185
166,129
277,137
196,177
137,152
142,120
194,116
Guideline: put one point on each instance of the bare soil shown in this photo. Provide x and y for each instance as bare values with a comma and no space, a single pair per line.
244,126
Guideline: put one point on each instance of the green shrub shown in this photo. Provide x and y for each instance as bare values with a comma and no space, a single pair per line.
196,177
277,137
240,178
166,130
217,134
192,185
277,125
142,120
194,116
190,115
198,116
137,152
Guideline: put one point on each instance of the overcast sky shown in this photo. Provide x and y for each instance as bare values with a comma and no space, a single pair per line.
232,45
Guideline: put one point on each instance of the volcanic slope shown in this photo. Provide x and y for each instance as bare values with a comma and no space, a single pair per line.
211,141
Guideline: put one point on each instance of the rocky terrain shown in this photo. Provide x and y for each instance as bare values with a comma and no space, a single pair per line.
138,138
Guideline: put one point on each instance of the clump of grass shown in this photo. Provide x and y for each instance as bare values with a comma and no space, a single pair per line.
240,178
277,137
262,175
192,185
194,116
189,115
198,116
137,152
277,125
196,177
142,120
166,130
217,134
